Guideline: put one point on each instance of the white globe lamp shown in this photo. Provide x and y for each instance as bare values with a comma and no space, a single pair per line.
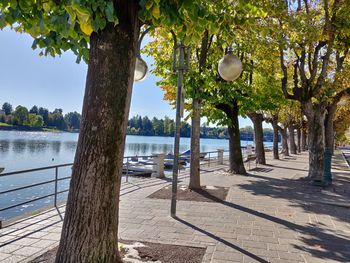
141,69
230,66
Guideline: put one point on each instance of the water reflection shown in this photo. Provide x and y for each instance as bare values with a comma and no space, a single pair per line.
4,146
70,146
34,146
56,146
19,146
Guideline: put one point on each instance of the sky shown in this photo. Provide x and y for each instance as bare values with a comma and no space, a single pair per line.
27,79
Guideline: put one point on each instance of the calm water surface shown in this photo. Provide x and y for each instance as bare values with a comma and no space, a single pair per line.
26,150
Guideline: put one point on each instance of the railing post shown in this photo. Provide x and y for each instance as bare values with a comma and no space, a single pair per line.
56,178
209,160
127,169
158,159
220,156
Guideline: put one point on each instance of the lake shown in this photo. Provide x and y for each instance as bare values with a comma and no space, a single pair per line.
26,150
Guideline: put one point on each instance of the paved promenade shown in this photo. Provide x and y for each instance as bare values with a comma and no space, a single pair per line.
269,216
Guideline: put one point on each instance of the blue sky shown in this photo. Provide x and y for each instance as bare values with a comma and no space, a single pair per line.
27,79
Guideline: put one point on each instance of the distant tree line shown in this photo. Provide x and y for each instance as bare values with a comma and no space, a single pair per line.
139,125
40,117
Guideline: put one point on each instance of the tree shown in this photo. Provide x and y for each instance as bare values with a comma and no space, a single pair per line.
158,127
7,108
35,120
20,115
313,52
147,127
45,114
34,110
72,120
56,120
106,34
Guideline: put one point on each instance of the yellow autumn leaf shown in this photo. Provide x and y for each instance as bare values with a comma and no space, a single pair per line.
148,5
47,6
86,28
156,12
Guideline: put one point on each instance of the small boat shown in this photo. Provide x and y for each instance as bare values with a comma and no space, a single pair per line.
1,169
135,171
169,163
170,156
188,154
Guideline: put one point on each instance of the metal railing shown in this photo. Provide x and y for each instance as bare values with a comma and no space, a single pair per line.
213,156
128,163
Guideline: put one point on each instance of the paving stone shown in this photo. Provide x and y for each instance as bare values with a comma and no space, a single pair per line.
9,248
229,256
14,259
25,241
290,256
27,251
4,256
254,244
45,243
52,236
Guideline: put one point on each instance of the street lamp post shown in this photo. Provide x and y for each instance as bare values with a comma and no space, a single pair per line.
180,68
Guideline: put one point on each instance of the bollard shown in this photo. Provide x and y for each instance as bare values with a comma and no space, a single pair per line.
327,175
158,159
220,156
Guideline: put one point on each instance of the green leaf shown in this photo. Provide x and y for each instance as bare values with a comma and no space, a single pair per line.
109,11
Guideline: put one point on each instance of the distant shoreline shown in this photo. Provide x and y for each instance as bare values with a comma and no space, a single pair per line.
44,129
29,129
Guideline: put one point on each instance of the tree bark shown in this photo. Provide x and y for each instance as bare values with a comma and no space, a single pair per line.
196,121
304,136
316,116
293,147
195,146
275,136
285,148
329,126
90,228
299,139
257,119
236,158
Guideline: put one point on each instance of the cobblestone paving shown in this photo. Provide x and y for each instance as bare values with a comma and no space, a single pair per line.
269,216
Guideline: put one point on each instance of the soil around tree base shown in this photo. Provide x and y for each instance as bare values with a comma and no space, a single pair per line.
205,194
150,252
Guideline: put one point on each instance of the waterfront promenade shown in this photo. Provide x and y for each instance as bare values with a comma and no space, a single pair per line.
269,216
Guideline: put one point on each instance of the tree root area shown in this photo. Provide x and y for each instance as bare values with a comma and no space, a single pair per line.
205,194
140,252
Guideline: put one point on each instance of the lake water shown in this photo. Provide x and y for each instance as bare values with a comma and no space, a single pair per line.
27,150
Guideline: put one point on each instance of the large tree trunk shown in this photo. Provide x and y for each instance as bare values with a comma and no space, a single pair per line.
90,229
293,146
275,136
299,139
195,182
329,127
285,148
236,158
196,121
257,119
315,115
304,136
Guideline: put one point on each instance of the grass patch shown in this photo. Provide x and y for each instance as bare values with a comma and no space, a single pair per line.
5,124
50,130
